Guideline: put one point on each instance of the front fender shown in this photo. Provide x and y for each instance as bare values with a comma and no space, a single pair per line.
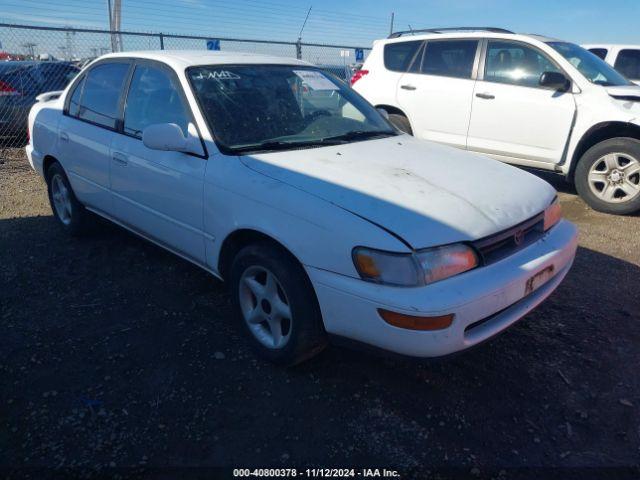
319,234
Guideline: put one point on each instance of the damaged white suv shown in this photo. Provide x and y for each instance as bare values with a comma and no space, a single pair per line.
323,219
523,99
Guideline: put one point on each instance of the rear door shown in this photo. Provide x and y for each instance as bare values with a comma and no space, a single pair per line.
436,93
379,85
87,129
513,118
158,193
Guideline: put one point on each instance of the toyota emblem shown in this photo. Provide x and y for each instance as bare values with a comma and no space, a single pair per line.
518,238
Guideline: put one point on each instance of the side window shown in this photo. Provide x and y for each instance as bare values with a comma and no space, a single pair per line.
599,52
398,56
101,94
450,58
516,64
154,98
74,102
628,63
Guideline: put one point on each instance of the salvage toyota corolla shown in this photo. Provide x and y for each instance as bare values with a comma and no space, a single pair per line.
324,219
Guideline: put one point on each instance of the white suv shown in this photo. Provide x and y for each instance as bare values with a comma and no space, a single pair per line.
624,58
283,181
523,99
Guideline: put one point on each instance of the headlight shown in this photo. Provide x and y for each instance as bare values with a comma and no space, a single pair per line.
386,267
552,214
414,269
444,262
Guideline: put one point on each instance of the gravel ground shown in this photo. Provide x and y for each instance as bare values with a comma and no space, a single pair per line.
115,353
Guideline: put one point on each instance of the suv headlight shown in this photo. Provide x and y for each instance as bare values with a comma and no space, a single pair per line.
414,269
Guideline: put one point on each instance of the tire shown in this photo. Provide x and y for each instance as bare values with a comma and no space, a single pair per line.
612,184
67,210
400,122
259,308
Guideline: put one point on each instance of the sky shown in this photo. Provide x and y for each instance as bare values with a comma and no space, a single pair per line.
344,22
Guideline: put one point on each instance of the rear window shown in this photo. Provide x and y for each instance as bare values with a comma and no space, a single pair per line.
450,58
101,93
398,55
599,52
628,63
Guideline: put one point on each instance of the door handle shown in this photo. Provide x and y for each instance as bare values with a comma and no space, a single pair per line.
486,96
64,137
407,87
120,159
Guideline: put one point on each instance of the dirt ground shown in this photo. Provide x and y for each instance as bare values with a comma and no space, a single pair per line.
114,354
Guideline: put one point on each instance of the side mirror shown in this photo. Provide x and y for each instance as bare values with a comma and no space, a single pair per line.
383,112
169,137
555,81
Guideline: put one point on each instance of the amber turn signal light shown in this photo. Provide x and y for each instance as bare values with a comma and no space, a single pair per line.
411,322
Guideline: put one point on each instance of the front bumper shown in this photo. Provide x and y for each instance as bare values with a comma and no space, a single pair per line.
484,301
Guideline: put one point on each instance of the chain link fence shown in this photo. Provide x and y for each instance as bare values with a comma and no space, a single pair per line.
35,60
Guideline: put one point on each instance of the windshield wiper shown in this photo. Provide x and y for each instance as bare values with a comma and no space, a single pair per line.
362,135
275,145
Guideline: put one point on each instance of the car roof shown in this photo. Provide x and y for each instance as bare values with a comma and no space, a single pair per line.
180,59
472,34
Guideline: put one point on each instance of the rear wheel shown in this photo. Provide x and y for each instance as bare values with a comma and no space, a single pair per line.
276,304
607,176
69,212
401,122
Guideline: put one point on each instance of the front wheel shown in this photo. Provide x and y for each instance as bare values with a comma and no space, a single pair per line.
607,176
276,304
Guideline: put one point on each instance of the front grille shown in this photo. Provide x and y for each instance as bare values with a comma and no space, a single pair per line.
502,244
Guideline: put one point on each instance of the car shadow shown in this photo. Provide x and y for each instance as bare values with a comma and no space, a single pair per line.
108,336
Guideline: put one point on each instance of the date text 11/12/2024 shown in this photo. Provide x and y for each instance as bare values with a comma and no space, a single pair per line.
316,472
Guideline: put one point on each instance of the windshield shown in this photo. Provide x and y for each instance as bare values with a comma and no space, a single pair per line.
279,107
592,67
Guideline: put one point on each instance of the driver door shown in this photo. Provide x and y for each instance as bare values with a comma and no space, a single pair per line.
512,117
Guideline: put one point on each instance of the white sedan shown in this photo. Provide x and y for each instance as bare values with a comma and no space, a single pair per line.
324,219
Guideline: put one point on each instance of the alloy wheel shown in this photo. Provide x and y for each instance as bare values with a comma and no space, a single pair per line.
265,307
615,177
61,199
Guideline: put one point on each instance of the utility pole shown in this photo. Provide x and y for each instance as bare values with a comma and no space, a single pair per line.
115,20
30,49
391,26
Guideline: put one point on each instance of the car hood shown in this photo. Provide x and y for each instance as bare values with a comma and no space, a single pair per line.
427,194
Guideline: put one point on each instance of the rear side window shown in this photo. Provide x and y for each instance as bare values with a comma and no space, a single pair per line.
153,98
599,52
398,56
628,63
449,58
74,102
101,94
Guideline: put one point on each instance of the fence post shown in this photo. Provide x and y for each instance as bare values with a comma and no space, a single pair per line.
161,41
299,49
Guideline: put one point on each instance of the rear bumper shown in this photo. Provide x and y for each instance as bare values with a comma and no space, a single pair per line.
36,159
485,301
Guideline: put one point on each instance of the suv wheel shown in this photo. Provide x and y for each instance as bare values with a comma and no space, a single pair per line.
276,304
401,122
69,212
608,176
